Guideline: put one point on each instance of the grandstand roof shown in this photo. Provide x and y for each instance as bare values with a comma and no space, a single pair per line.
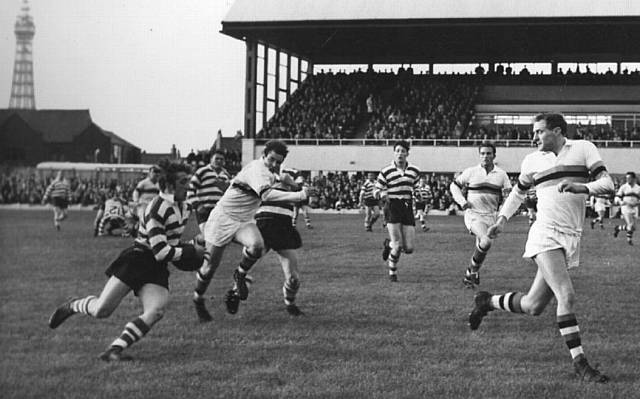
442,31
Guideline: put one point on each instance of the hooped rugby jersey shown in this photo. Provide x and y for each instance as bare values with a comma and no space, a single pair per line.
629,194
484,190
398,183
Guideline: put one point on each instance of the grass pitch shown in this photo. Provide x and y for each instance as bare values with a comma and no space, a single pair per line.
362,336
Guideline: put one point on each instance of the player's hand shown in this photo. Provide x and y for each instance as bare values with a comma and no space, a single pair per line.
494,230
466,206
566,186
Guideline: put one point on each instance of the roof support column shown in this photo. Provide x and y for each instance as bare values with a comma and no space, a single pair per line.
250,90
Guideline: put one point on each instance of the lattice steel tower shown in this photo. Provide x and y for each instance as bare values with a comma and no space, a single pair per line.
22,93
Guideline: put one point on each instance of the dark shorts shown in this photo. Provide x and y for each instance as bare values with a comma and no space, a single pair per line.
371,202
202,215
421,206
278,233
399,211
60,202
136,266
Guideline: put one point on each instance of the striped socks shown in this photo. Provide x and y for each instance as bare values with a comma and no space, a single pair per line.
568,325
82,305
133,332
509,302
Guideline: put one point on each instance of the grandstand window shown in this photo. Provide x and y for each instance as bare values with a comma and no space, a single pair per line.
261,48
271,109
271,62
294,68
304,68
588,119
630,66
294,87
345,68
448,69
282,76
271,86
259,98
259,120
260,71
513,119
282,97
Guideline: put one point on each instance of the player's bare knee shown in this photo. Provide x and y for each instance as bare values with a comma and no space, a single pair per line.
567,300
155,314
255,250
103,311
485,243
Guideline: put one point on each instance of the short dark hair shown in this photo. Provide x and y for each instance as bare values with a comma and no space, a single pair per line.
553,121
277,146
632,174
218,151
169,172
487,144
402,143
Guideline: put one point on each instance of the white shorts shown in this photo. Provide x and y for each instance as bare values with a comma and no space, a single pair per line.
472,218
629,210
220,229
598,207
545,238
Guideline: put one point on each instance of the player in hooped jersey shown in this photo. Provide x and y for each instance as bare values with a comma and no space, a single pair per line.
233,220
628,196
369,202
559,170
485,183
59,194
395,185
146,190
142,268
423,197
113,214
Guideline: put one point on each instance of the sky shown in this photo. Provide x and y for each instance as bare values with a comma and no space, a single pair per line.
154,72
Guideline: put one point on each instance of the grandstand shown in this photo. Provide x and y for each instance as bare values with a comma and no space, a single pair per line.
582,57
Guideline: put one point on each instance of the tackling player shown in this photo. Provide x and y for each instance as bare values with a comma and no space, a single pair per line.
485,183
142,268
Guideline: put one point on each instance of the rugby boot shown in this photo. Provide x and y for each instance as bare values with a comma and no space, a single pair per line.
386,249
240,280
294,310
62,313
586,373
482,301
232,301
201,310
114,354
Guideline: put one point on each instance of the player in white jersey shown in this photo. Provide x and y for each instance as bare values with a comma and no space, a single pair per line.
486,184
423,196
628,196
599,203
233,220
146,190
303,206
395,185
559,170
369,202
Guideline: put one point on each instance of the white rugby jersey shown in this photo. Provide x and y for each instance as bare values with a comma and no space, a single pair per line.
484,190
242,199
576,161
629,194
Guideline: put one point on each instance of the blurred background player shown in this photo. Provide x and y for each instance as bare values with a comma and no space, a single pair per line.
485,184
395,184
531,203
58,193
423,198
628,196
369,202
599,204
560,170
113,215
142,268
146,190
206,188
233,220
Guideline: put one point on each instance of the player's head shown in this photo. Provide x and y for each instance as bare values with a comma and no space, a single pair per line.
274,153
549,129
371,175
154,173
487,153
401,151
423,179
630,177
217,159
174,179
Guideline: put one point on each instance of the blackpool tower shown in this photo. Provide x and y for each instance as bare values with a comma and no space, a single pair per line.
22,93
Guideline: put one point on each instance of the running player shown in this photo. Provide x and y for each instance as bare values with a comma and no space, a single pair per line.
628,196
233,220
423,197
599,203
395,185
59,194
559,170
531,203
369,202
142,268
485,183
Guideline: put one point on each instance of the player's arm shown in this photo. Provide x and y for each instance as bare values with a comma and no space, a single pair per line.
157,236
192,190
601,184
380,188
271,194
458,197
512,203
